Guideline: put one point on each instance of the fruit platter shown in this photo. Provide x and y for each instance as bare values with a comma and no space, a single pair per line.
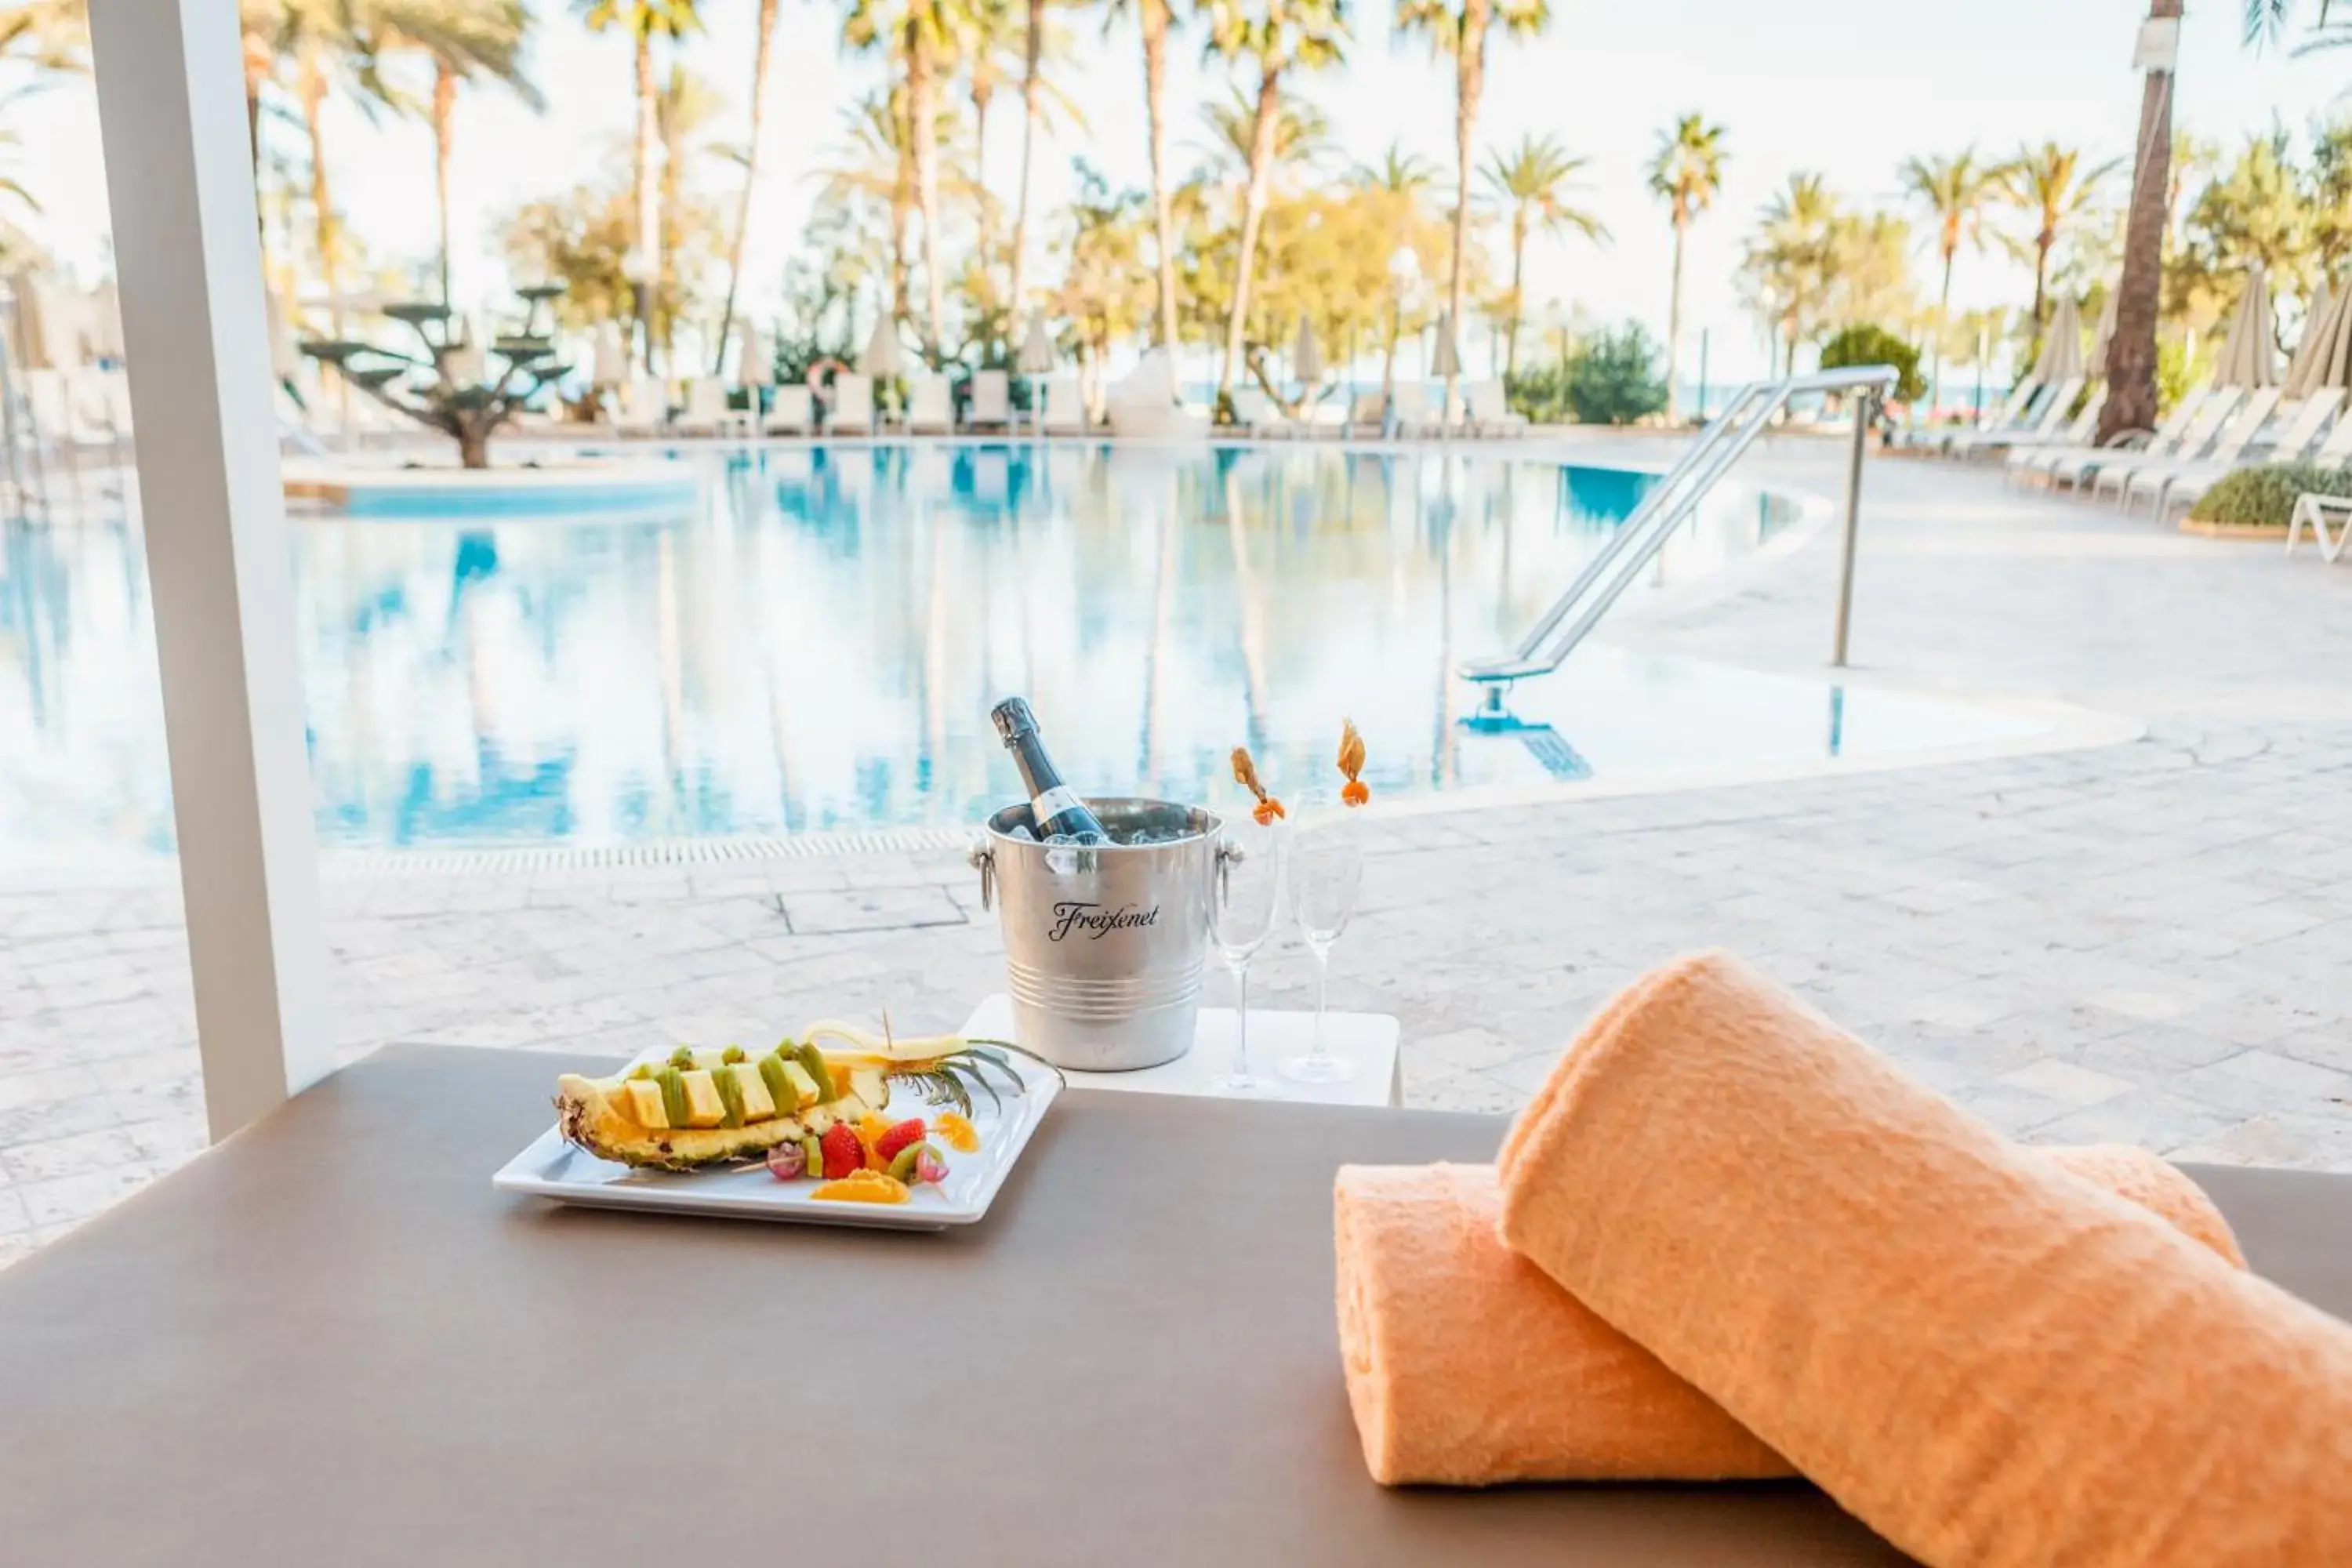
833,1125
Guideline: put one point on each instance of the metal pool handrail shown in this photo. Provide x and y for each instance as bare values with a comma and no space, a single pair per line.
1636,543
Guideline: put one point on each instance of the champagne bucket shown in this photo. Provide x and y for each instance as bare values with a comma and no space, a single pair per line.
1103,947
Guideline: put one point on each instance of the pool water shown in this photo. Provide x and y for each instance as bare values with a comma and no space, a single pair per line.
815,644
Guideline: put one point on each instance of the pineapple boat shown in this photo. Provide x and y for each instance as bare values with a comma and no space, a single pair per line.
704,1107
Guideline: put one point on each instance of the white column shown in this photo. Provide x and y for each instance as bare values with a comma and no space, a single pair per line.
179,172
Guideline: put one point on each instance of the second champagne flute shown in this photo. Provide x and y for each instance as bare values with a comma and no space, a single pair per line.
1242,910
1326,868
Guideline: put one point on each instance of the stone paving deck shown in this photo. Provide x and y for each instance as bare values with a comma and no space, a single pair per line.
2144,942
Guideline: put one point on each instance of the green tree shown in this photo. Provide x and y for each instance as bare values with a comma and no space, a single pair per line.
2260,212
1279,37
1458,30
2328,193
1687,172
1954,191
1154,20
1868,343
1787,267
1532,181
1614,379
1038,46
1399,183
763,54
918,37
2051,187
643,21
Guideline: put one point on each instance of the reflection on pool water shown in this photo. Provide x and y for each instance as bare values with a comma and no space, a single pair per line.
814,646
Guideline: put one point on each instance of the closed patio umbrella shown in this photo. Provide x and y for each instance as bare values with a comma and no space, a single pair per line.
1037,355
2314,337
2103,337
759,368
2249,357
2324,359
2061,346
884,359
1445,360
611,355
1307,358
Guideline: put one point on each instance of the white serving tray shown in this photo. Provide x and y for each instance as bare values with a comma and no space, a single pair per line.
551,1168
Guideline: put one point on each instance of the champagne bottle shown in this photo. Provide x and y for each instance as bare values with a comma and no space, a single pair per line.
1052,804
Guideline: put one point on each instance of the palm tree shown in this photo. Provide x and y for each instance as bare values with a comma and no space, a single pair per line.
1790,263
2140,292
1459,28
46,34
1280,37
1688,171
645,20
2052,187
872,162
1403,179
989,33
1532,180
1032,45
919,36
1153,19
465,39
763,52
1954,191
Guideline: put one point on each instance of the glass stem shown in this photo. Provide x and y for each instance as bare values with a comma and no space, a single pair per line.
1322,995
1241,1021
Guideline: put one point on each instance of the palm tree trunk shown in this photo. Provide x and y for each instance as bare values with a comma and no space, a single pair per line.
1469,83
327,233
2131,353
1033,43
1519,256
982,95
648,258
1388,359
1943,325
762,56
902,210
1254,200
1153,15
922,109
2043,244
1674,319
445,139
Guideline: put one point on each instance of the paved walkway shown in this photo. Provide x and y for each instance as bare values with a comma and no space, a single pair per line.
2144,942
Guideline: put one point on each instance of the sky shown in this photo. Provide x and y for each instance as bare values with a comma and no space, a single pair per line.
1845,87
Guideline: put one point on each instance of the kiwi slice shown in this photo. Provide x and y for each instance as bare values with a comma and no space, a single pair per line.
730,1056
813,1060
780,1088
814,1148
673,1093
643,1073
682,1058
730,1097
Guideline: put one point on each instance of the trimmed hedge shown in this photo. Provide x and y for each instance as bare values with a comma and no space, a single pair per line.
2264,497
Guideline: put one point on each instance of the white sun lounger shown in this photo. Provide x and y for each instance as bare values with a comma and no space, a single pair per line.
2222,444
1365,413
644,408
791,412
707,412
1487,409
2015,417
2295,430
852,409
931,405
1412,412
991,400
2314,511
2025,449
2037,428
1065,413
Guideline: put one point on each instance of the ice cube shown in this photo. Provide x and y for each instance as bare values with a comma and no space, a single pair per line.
1021,834
1091,840
1061,859
1062,838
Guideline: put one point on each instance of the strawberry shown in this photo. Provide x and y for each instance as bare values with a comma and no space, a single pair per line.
903,1135
842,1151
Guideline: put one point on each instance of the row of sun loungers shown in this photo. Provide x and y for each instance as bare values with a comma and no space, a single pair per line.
1483,412
849,409
2208,434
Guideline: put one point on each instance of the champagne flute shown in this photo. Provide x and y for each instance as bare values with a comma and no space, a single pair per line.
1242,910
1327,869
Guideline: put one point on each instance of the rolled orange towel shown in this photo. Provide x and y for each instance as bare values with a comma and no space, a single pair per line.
1466,1366
1985,1360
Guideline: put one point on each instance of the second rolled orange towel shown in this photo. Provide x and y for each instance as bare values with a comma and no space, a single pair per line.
1466,1366
1989,1363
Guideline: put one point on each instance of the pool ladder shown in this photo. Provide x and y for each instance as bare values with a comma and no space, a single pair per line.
1667,505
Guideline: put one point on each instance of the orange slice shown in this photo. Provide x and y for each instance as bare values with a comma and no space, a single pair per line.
864,1187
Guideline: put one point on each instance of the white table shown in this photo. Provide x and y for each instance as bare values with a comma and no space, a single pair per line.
1368,1039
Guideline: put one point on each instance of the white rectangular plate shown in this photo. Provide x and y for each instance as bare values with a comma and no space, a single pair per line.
551,1168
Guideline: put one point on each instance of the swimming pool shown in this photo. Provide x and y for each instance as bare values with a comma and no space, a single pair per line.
813,646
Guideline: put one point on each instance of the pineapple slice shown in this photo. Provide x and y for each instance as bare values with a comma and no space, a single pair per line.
758,1103
804,1088
868,1084
642,1102
703,1106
